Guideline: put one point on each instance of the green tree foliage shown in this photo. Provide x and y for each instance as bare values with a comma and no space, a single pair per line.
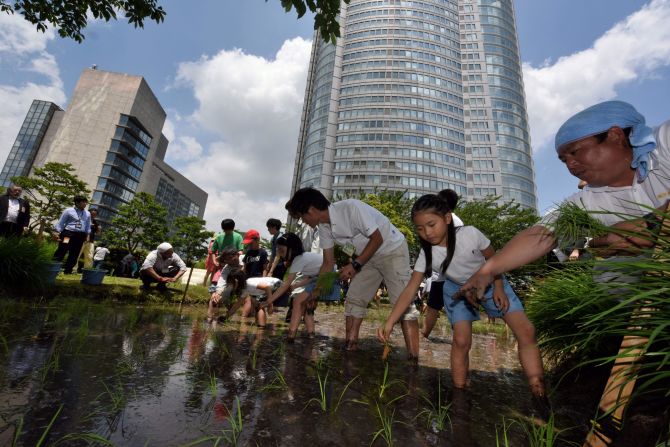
189,238
325,17
139,224
69,17
51,189
499,222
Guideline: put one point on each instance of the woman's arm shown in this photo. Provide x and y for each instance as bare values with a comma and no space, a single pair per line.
286,285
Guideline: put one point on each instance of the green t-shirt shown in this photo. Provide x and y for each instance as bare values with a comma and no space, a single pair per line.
224,240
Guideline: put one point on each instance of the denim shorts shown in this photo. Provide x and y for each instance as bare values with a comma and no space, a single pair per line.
333,296
461,310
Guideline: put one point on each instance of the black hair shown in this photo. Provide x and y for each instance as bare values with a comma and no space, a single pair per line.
227,252
227,224
273,223
293,246
433,203
602,136
78,199
303,199
450,196
238,280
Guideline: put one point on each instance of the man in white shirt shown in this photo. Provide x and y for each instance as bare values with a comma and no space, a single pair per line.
163,266
378,251
14,212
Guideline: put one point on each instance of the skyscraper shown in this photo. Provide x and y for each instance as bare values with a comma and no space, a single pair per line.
111,133
418,96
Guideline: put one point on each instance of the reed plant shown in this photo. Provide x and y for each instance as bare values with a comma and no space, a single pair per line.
24,262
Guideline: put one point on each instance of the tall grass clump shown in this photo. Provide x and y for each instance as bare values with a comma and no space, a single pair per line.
24,262
577,310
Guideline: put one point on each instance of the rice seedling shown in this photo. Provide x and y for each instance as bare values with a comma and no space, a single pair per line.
386,420
213,384
323,392
116,397
51,365
51,423
436,414
574,224
545,435
17,431
87,437
339,399
326,282
232,435
254,354
386,382
277,384
502,436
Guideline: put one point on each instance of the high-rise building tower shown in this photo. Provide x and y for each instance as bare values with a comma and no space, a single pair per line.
111,133
418,96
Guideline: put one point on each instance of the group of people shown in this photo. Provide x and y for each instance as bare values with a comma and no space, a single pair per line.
624,165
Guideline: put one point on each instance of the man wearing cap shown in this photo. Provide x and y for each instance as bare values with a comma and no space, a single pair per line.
163,266
14,212
626,166
73,228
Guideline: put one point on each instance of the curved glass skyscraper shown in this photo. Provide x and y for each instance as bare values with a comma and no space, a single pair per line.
418,96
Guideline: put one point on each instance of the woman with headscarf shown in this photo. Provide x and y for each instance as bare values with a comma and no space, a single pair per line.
162,266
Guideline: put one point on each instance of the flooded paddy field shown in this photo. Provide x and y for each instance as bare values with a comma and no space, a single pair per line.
74,372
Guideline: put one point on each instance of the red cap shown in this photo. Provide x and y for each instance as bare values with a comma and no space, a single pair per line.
250,235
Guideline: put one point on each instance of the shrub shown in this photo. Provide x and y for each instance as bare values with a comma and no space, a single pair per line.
24,262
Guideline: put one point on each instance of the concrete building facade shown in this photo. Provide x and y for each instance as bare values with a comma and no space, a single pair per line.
111,132
418,96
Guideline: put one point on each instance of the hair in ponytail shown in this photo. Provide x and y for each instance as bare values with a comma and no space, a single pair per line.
433,203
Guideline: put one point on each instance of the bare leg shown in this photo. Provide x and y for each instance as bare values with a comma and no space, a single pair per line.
460,353
236,306
207,275
261,318
309,317
353,328
529,353
410,329
429,321
211,308
247,308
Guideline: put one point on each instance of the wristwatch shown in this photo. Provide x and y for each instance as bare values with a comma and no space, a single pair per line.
356,265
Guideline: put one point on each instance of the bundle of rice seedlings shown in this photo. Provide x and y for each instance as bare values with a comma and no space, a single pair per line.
575,224
325,283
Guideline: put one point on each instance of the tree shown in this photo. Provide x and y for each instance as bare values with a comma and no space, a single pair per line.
139,224
499,222
325,18
51,189
71,16
189,238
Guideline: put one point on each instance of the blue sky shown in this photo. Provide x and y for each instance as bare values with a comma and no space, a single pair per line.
231,77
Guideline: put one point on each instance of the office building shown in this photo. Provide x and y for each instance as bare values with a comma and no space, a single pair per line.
111,132
418,96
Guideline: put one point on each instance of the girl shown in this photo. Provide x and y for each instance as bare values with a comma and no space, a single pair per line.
442,242
303,269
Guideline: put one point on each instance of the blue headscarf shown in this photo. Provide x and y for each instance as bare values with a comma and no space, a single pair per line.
600,118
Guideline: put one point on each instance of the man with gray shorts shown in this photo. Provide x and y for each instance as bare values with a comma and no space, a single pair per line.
378,251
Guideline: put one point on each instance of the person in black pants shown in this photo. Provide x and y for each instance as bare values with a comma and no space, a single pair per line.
73,228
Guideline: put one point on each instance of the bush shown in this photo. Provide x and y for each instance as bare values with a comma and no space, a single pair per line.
24,262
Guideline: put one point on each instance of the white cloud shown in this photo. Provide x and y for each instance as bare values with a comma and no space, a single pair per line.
632,49
252,106
184,148
23,53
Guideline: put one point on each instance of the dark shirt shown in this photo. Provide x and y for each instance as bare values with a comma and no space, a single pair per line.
254,262
94,228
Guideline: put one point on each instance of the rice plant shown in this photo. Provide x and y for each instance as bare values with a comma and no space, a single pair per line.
116,397
51,423
574,223
502,436
51,365
339,399
325,283
213,385
277,384
386,419
386,382
232,435
436,414
323,392
87,437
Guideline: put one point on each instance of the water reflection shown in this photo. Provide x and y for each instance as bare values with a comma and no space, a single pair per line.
137,375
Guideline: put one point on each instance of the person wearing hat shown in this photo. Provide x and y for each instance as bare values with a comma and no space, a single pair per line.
72,229
162,266
254,262
626,167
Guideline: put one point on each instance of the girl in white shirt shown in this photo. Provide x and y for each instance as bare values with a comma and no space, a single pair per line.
457,253
302,272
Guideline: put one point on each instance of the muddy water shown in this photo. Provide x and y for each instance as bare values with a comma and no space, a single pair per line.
136,376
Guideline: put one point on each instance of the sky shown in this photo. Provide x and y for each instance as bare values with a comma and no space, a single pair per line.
231,76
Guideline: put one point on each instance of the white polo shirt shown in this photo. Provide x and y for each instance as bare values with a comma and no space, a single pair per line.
352,222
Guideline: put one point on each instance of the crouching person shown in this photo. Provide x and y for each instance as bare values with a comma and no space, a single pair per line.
161,266
252,292
223,291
